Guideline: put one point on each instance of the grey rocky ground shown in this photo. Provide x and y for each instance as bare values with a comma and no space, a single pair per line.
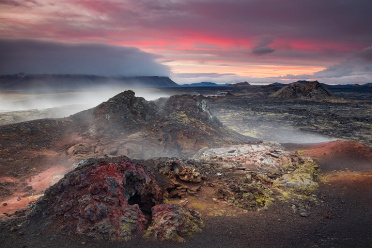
294,120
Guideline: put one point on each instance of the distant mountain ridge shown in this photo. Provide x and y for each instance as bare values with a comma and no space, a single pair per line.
203,84
62,82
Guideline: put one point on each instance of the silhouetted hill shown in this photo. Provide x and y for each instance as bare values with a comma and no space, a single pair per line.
62,82
241,84
309,90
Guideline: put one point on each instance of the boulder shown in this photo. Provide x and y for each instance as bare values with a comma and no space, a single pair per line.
173,222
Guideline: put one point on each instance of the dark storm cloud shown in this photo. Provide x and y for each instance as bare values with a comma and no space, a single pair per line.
262,46
355,69
329,19
359,63
366,54
239,19
262,50
10,2
38,57
17,3
304,33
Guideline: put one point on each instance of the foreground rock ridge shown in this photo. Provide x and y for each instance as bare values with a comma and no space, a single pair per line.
112,199
100,198
118,199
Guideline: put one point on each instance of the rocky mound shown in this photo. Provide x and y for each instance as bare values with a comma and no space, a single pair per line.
174,222
249,177
254,176
121,115
100,198
187,122
305,90
130,125
124,125
112,199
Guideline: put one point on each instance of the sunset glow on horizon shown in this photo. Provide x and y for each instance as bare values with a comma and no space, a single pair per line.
263,41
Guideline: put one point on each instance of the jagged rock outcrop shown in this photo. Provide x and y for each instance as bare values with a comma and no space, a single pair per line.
112,199
176,177
130,125
101,198
262,174
190,125
121,115
250,177
306,90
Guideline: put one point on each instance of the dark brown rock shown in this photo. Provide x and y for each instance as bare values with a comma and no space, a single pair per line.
308,90
174,222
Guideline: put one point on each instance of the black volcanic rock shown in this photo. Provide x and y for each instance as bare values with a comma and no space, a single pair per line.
189,125
61,82
306,90
191,106
121,114
131,126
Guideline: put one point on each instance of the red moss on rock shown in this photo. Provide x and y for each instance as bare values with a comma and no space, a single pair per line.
102,198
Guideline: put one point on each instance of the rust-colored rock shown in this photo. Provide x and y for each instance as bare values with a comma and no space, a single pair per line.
102,198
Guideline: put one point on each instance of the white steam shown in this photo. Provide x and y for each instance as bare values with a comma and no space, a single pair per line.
74,101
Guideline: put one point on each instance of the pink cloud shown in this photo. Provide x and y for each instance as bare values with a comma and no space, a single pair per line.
275,32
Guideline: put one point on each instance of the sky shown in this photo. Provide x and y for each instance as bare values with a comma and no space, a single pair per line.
191,40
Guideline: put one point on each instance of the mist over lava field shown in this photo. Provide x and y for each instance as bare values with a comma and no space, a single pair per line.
230,164
185,123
